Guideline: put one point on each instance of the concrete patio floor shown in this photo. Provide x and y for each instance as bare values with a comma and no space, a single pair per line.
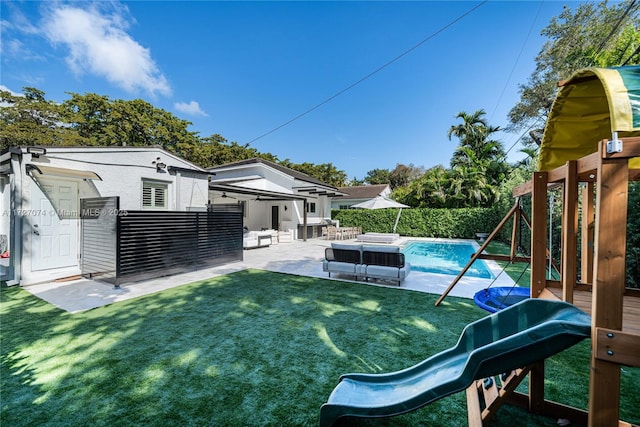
297,257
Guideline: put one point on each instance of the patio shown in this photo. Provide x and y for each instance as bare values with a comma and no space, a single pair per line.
297,257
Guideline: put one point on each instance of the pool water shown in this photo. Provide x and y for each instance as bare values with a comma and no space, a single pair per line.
444,258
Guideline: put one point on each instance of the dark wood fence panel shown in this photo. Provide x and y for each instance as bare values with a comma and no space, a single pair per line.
153,244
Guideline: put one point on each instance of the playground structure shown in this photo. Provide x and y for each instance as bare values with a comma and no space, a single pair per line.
591,150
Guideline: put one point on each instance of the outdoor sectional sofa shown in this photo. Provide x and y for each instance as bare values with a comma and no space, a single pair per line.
256,239
366,261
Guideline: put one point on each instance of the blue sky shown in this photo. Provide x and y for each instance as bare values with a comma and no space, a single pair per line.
243,69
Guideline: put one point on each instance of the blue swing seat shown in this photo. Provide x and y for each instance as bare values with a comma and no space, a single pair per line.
495,299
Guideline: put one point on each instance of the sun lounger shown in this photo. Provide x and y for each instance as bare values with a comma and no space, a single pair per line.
378,237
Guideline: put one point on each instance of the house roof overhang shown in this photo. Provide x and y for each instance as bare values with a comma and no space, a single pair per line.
189,170
307,184
317,190
263,194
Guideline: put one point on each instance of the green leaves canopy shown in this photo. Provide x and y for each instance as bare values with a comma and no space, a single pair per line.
97,120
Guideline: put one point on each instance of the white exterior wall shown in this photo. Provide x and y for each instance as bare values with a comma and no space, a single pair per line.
122,170
258,213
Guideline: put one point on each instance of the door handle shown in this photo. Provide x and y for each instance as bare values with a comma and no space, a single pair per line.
36,232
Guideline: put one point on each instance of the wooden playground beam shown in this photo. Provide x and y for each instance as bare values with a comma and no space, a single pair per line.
476,255
631,148
486,396
617,346
514,233
505,258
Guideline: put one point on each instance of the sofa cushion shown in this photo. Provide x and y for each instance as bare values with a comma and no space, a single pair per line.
350,255
346,246
383,272
339,267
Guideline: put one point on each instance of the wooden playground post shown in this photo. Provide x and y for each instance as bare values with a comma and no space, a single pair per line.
569,245
586,233
609,284
539,234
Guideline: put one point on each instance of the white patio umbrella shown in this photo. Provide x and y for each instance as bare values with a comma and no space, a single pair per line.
380,202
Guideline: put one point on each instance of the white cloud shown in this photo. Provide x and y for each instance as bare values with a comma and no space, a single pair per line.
99,44
6,89
191,108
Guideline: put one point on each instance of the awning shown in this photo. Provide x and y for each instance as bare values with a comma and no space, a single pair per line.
61,172
590,106
319,191
264,195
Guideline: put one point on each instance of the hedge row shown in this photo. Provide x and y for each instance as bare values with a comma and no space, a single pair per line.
425,222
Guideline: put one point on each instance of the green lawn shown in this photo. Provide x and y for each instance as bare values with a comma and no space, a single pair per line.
252,348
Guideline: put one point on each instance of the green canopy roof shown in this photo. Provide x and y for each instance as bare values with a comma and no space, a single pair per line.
590,106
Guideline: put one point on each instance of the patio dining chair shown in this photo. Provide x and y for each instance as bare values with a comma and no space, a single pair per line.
325,233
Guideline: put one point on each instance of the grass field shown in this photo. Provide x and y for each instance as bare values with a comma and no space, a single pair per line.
252,348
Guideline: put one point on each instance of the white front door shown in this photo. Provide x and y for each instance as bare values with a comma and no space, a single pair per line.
54,236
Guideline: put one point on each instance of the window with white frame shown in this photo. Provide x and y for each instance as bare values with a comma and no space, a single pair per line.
154,195
311,207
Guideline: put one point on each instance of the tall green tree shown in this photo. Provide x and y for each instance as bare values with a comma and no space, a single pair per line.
325,172
355,182
30,119
478,163
599,34
126,123
433,189
378,176
92,119
215,150
402,175
475,145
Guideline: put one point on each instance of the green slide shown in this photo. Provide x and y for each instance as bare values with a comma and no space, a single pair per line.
517,336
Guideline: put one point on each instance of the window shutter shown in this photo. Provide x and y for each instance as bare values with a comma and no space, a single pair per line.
154,195
160,199
146,196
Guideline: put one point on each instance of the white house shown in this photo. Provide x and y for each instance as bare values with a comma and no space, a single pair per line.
274,197
41,189
358,194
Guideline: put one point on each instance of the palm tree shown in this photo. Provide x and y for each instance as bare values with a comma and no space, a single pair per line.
478,161
474,133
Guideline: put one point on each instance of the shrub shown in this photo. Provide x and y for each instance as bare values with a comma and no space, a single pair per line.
424,222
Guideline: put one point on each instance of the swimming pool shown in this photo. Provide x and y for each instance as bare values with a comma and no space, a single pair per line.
448,257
